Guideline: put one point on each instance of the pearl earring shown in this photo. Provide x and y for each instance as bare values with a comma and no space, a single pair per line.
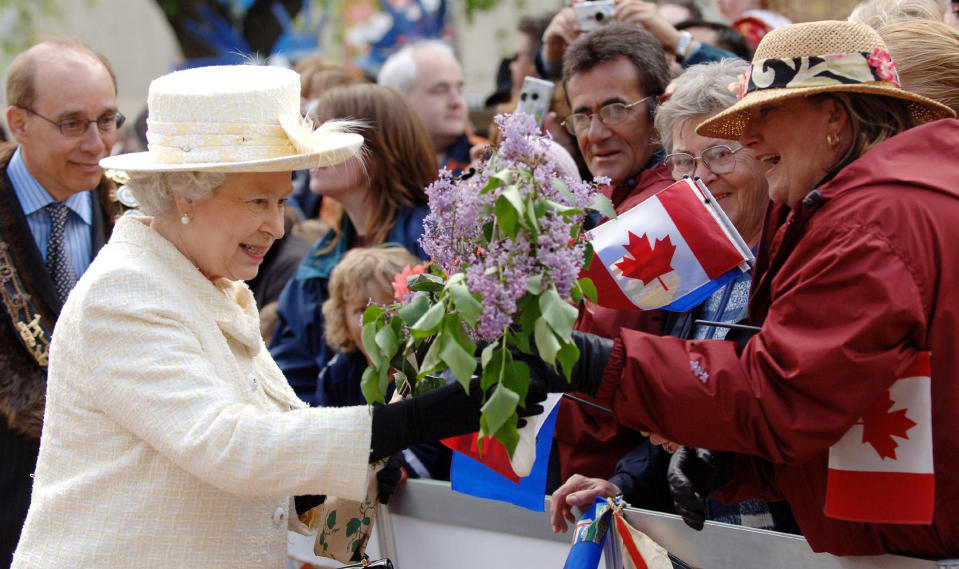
185,219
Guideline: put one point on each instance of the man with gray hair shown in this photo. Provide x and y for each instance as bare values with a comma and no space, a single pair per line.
429,76
55,214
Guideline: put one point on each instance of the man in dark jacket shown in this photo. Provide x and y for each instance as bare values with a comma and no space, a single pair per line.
63,116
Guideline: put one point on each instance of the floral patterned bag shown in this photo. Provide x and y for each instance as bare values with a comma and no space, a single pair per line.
343,527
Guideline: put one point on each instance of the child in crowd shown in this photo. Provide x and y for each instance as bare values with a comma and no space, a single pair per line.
365,275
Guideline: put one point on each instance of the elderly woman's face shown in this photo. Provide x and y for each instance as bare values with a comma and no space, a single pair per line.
230,232
790,136
742,192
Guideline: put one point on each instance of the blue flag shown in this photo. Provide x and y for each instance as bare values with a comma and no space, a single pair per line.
469,476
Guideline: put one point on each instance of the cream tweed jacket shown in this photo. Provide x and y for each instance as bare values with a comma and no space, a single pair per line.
171,438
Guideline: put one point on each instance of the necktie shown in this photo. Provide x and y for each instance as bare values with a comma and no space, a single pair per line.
58,263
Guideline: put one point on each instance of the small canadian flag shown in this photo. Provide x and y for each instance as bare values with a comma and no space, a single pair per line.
881,470
671,251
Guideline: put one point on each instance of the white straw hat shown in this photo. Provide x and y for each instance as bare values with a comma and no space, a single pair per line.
234,118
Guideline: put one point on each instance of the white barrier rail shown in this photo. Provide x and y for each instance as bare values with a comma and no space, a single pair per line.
428,526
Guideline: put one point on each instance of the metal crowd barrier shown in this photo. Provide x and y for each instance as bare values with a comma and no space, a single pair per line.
428,526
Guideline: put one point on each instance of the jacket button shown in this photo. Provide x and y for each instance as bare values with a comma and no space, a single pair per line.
253,378
279,516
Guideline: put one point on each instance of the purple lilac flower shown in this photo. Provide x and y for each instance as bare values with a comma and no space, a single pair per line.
499,270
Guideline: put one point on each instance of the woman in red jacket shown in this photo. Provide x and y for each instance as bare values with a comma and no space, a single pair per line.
835,404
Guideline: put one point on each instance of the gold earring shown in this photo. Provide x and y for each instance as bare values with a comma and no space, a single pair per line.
185,219
832,140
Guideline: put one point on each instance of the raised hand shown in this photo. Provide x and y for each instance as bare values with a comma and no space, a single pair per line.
578,491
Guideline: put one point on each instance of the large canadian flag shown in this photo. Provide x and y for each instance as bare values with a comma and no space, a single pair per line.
671,251
881,470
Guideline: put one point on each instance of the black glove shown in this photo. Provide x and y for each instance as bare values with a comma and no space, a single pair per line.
693,475
389,477
443,412
587,372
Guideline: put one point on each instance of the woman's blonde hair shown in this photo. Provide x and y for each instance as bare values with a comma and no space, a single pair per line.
927,58
363,273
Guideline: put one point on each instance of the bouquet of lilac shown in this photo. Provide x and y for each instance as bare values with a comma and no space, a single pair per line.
506,246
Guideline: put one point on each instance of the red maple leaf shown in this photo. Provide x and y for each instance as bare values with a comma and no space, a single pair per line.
879,425
647,263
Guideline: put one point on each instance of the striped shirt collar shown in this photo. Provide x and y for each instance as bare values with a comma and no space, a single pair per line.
34,197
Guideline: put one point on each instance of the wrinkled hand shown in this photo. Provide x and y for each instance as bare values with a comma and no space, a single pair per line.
578,491
693,475
390,477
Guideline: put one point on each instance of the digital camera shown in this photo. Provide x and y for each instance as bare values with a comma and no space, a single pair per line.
535,98
591,15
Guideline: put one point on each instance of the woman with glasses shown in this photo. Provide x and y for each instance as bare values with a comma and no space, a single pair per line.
735,178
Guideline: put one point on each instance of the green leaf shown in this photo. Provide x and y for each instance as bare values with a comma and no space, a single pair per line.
516,377
425,282
546,342
532,219
387,342
431,361
460,362
515,199
603,205
331,520
568,356
499,407
508,435
560,315
487,354
372,312
506,176
562,209
430,322
506,216
534,284
585,287
415,308
466,304
429,383
368,336
492,371
370,386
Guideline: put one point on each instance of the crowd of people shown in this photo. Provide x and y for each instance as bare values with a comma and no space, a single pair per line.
181,384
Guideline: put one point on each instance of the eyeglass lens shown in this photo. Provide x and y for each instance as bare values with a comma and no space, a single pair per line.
106,123
611,114
719,159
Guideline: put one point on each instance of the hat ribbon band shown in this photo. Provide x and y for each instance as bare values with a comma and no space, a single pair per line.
822,70
182,143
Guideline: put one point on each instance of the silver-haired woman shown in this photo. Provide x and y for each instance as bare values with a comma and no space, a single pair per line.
171,438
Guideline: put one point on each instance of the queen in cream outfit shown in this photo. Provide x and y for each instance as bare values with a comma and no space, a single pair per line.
171,439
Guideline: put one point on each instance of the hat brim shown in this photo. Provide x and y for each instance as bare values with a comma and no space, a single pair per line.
729,124
339,148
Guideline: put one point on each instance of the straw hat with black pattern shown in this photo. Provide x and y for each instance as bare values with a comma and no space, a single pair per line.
234,118
798,60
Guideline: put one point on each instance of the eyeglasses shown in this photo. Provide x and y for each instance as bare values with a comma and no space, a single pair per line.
720,159
108,123
611,114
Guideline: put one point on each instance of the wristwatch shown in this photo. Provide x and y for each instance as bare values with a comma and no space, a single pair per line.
682,47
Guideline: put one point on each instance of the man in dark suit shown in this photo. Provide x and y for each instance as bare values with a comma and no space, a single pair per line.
55,213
